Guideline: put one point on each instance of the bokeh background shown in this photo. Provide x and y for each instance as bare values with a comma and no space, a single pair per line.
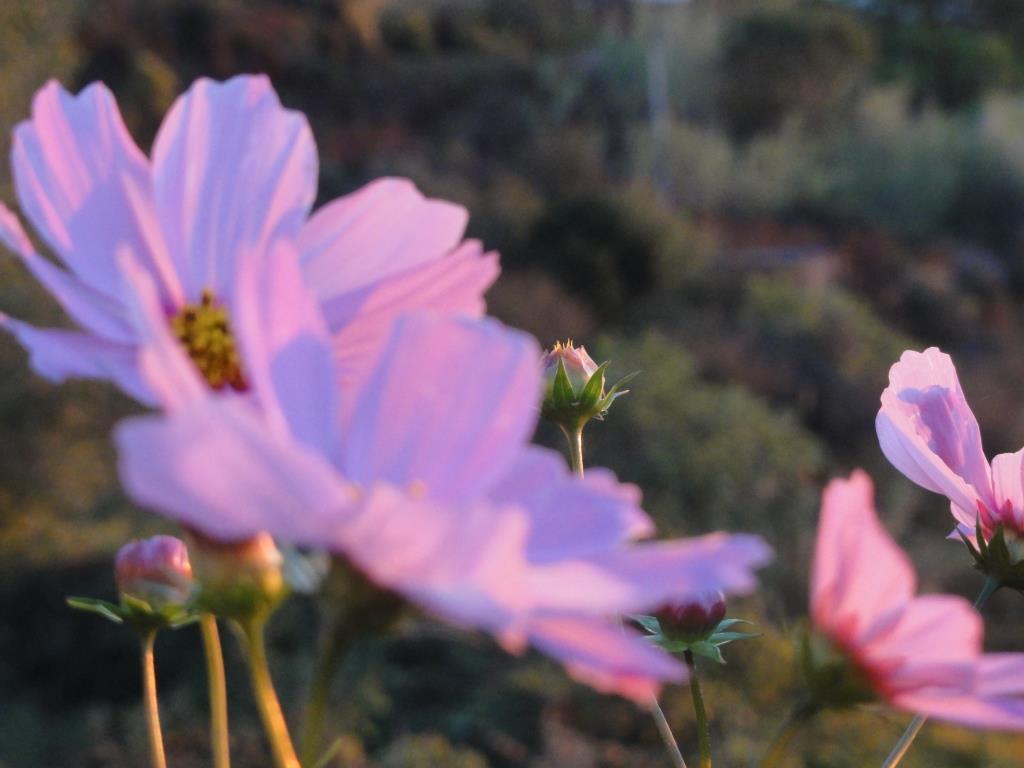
818,186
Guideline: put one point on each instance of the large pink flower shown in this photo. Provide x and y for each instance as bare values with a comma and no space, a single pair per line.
427,484
920,653
927,430
232,179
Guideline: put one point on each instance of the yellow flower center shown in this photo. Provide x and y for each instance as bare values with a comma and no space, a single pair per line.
205,332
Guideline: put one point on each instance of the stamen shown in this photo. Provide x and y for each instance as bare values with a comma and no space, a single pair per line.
205,332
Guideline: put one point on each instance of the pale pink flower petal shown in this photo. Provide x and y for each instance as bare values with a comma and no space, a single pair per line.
58,355
608,658
217,469
232,170
385,228
84,185
860,578
1008,486
927,430
571,517
450,411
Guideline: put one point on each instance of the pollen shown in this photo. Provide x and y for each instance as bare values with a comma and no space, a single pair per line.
204,331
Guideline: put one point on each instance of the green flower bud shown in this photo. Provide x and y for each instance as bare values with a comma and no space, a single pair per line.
238,580
574,387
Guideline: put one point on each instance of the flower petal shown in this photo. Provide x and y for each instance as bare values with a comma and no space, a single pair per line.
927,430
232,170
1008,487
449,406
58,355
85,187
860,579
381,230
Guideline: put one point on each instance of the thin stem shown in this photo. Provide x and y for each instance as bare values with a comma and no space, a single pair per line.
156,739
575,439
703,736
796,717
899,751
335,643
218,691
269,707
667,737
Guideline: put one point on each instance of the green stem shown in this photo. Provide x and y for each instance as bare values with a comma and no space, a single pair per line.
218,691
665,730
156,739
796,718
335,644
703,735
269,707
575,439
899,751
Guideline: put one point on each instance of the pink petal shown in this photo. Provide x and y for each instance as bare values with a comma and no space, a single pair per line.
570,517
58,355
286,351
1008,487
450,405
167,370
84,185
927,430
995,701
609,658
232,170
94,311
860,579
216,467
381,230
360,320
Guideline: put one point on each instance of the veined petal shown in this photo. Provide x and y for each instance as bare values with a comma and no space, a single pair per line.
217,467
927,430
232,170
1008,487
860,579
571,517
85,187
58,355
92,310
381,230
449,406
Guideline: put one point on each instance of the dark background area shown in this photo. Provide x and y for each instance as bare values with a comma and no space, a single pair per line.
834,183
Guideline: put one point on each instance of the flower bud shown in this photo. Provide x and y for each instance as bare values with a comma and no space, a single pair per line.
694,619
238,580
574,390
155,571
834,677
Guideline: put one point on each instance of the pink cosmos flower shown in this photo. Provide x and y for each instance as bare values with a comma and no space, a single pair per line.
231,181
927,430
920,653
427,484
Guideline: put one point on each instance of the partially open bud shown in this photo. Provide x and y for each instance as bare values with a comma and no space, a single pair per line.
574,387
238,580
694,619
155,571
834,678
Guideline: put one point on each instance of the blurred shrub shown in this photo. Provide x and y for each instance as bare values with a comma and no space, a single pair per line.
429,751
778,63
407,30
827,351
946,65
707,456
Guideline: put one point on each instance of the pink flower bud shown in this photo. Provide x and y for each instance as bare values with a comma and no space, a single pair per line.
694,619
579,366
156,571
238,579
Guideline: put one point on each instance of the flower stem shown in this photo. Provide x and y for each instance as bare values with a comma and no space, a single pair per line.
898,752
703,736
666,734
333,648
274,724
575,439
218,691
156,739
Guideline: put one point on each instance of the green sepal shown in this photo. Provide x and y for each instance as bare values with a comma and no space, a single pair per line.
707,649
616,391
1000,560
562,393
109,611
650,623
593,391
